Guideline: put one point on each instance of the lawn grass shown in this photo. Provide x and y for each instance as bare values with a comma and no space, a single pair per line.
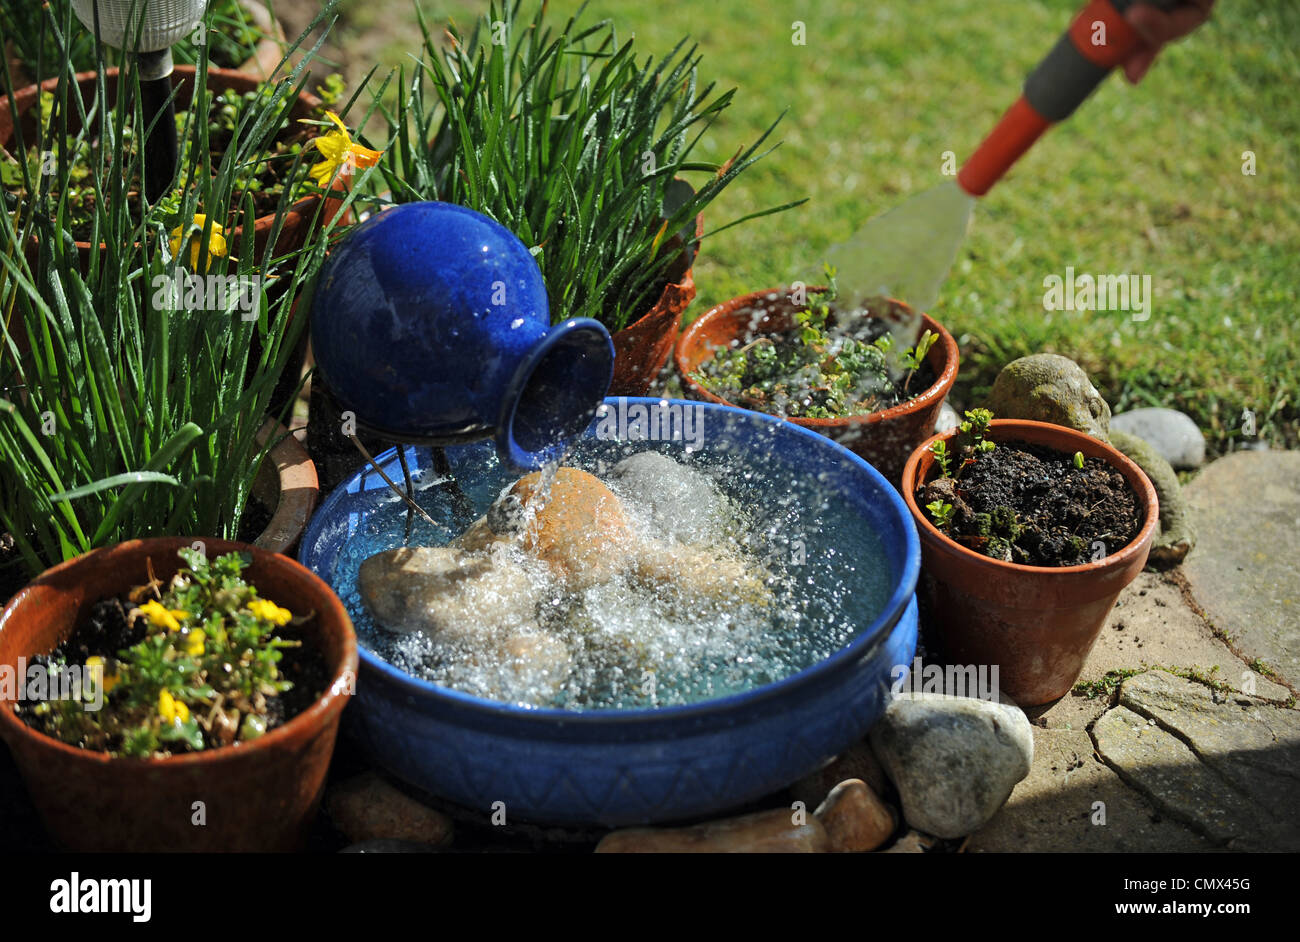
1144,180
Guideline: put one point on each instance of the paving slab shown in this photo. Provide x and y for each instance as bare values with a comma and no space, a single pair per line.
1152,625
1245,569
1251,744
1073,802
1218,760
1164,768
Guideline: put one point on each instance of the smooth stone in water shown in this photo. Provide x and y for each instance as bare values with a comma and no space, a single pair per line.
445,592
954,760
682,501
856,820
368,808
1171,433
577,526
766,832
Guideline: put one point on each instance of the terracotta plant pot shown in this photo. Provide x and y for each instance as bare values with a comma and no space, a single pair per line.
287,484
257,796
883,438
298,218
1037,623
642,348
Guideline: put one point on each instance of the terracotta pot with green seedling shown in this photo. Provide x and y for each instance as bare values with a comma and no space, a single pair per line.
604,196
789,352
1028,533
175,695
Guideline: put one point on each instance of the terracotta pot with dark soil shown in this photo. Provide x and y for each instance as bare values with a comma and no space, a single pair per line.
259,793
298,218
1081,520
885,437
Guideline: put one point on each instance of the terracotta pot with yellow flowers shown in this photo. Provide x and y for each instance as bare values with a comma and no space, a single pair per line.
175,695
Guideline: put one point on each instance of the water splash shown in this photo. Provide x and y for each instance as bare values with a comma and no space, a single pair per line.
632,645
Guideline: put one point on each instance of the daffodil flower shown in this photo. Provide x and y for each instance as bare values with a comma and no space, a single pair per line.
161,617
269,611
172,710
339,151
216,241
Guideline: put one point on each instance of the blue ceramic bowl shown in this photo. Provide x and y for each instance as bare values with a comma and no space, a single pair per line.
622,767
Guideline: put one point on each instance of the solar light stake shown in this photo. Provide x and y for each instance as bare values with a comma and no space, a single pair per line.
148,28
156,103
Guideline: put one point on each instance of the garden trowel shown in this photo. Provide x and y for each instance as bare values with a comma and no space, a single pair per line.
906,252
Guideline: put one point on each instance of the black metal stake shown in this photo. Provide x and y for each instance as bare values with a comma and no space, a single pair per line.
462,507
410,501
156,104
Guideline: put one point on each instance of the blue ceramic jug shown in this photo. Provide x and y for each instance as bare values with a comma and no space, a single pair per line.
430,322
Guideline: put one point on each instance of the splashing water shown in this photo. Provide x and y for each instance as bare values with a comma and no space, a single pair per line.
632,645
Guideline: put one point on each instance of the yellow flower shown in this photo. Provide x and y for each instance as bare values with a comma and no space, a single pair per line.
269,611
162,617
194,642
216,241
172,710
95,664
339,152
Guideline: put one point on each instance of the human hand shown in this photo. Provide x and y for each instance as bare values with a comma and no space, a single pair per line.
1157,27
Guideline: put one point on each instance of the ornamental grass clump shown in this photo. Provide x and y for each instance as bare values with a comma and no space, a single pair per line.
134,382
572,143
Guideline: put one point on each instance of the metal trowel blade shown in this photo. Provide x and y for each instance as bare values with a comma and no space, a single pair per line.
904,253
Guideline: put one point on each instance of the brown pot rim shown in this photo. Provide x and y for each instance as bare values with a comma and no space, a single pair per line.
234,77
329,704
945,350
1007,430
299,487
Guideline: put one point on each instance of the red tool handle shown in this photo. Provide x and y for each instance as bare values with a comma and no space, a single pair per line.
1098,40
